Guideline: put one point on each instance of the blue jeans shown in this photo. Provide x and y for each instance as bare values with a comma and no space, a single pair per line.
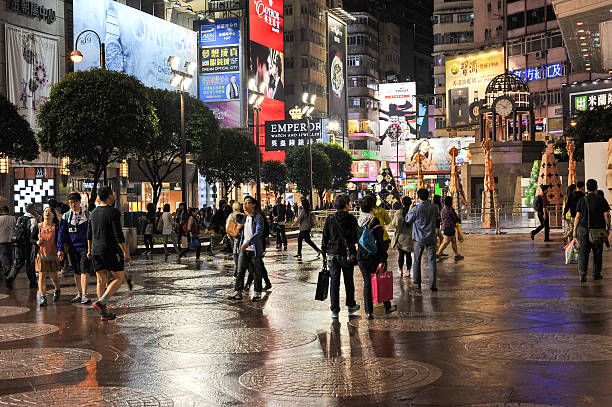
337,265
585,250
419,247
171,237
246,260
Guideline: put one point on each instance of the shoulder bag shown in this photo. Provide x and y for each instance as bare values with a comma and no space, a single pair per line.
322,284
596,236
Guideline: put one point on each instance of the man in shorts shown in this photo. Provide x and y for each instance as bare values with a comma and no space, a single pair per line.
72,238
107,249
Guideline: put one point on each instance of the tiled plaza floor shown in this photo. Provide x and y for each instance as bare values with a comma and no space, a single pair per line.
511,325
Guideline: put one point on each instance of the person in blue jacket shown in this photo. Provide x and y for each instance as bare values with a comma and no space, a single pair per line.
72,238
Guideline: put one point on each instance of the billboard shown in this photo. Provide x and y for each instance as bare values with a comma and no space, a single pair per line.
136,43
221,86
435,151
588,95
467,77
226,112
397,118
336,68
284,134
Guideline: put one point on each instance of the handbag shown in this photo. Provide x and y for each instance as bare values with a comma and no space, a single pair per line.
459,233
571,252
194,242
322,284
596,236
382,284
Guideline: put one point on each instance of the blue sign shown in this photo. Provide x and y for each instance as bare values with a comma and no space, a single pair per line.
221,32
224,86
540,72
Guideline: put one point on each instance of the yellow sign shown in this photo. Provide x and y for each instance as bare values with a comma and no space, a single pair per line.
467,77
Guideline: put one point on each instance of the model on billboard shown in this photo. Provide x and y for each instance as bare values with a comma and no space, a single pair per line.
276,86
430,162
267,68
396,113
232,91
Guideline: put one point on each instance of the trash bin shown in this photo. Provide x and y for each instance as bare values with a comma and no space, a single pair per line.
131,240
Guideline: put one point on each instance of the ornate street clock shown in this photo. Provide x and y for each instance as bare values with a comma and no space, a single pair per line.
504,106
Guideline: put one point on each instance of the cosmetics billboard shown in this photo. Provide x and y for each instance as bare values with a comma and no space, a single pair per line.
336,69
266,64
467,77
398,118
135,42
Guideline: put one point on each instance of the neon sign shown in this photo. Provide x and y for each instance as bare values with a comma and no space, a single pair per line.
540,72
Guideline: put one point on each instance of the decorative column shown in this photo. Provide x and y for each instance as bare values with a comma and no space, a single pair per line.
455,189
419,160
489,196
571,176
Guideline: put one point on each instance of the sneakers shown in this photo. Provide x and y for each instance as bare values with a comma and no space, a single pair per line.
85,300
278,247
392,309
235,297
76,299
354,309
599,277
256,298
299,256
198,261
104,314
370,316
56,295
43,301
108,317
285,248
267,287
335,315
459,257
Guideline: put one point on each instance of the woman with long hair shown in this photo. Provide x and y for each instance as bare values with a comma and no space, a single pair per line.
46,259
568,234
307,221
149,221
402,239
449,222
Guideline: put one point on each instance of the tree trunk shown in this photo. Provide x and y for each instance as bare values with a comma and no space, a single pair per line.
94,189
157,187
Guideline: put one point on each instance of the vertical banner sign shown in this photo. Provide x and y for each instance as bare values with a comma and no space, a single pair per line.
336,70
32,68
266,64
398,122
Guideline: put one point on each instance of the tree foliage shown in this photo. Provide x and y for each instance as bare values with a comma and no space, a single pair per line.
17,139
233,162
592,126
95,118
340,161
274,173
298,168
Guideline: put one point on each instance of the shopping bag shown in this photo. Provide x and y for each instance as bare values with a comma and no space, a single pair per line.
571,252
459,233
322,284
382,285
194,242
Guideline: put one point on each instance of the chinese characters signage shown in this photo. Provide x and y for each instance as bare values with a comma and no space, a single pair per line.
284,134
221,32
587,96
540,72
32,8
225,5
219,87
219,59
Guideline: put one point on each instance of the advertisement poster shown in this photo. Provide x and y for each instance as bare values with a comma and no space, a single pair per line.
222,86
336,68
397,118
227,112
220,59
435,151
284,134
136,43
222,32
467,77
266,64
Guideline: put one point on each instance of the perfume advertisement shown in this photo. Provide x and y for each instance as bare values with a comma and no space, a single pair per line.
336,68
436,153
397,118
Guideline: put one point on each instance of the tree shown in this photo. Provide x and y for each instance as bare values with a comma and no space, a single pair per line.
234,161
298,166
274,173
592,125
530,191
340,162
18,141
158,153
95,118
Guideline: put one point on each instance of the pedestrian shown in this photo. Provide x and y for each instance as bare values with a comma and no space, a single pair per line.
47,262
423,217
568,232
289,213
182,216
72,239
279,215
449,225
7,226
339,253
307,221
402,239
107,249
592,218
251,249
149,222
193,228
235,216
370,262
437,200
384,219
540,205
24,245
167,230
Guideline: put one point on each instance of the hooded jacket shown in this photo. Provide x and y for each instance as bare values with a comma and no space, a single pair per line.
381,253
339,223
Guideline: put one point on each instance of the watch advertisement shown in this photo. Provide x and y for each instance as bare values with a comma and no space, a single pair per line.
283,134
136,43
336,68
436,152
467,77
398,113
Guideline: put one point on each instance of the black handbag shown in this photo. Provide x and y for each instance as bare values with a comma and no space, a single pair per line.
322,283
596,236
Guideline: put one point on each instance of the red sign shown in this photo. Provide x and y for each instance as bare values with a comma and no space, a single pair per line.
266,23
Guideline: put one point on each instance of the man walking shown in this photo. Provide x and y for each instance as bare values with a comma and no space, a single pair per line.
7,226
251,249
279,213
423,217
338,249
541,207
24,255
72,236
106,244
592,212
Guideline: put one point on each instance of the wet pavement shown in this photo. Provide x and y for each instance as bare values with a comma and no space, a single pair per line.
511,325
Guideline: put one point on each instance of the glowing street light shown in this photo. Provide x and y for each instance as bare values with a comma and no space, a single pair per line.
256,97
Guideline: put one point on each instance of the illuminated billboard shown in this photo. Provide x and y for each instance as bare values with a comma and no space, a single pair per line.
136,43
467,77
436,153
397,118
336,69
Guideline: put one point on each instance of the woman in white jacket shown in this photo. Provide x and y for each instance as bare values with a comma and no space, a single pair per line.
403,236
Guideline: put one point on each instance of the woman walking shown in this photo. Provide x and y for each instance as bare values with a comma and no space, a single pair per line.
369,262
193,233
306,220
167,230
149,226
47,260
568,234
449,222
402,239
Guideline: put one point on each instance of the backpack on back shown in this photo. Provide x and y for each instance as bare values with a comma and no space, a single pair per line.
233,229
367,240
21,233
537,204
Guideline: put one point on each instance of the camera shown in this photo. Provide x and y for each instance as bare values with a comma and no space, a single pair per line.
72,230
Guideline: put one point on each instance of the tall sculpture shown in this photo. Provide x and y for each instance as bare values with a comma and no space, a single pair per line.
388,196
419,160
549,175
571,176
455,188
489,195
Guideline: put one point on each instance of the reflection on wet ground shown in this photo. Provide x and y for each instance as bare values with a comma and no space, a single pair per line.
511,325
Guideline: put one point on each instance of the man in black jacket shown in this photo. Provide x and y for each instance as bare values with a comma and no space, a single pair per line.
339,240
279,214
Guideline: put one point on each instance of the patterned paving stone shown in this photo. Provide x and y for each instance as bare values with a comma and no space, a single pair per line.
182,273
177,317
4,296
544,347
573,281
510,405
483,292
569,305
235,340
202,282
339,377
142,300
72,290
20,363
161,266
17,331
88,397
9,311
424,321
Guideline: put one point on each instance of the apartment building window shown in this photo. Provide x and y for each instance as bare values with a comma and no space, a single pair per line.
535,16
289,63
487,33
550,13
312,36
446,18
539,98
290,89
535,43
439,102
363,102
454,37
489,7
465,17
439,81
353,61
499,4
439,60
288,36
554,40
554,97
440,123
359,39
435,20
288,10
516,20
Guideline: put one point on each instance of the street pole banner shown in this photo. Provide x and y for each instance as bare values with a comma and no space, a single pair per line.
398,113
336,70
32,61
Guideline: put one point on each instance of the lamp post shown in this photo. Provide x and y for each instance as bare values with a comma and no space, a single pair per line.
255,99
182,80
335,127
308,101
77,56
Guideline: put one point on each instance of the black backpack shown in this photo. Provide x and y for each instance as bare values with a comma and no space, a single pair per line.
21,233
537,204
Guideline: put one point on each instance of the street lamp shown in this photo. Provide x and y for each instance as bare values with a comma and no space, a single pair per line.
77,56
336,127
309,101
256,97
182,80
4,164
